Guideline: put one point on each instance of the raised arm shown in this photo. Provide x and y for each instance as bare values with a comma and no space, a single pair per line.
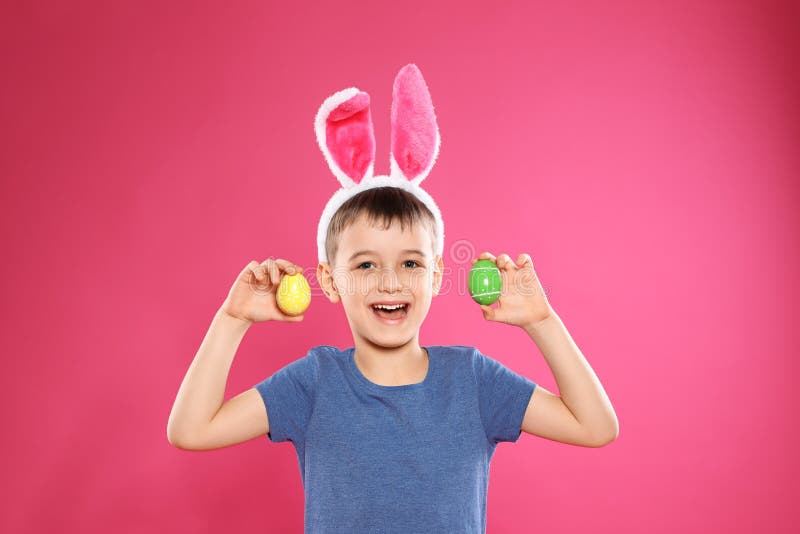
201,393
199,420
582,414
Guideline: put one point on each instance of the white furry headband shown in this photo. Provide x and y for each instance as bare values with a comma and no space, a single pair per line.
345,135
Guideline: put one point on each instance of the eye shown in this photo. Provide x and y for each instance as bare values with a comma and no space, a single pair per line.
416,264
365,263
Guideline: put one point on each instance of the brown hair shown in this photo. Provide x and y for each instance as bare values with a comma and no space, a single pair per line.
385,204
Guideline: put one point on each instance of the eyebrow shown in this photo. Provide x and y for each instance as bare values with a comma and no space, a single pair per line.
405,251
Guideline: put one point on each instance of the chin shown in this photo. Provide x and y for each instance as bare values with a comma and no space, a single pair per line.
392,340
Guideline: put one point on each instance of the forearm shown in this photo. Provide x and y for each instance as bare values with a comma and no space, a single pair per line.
203,388
579,387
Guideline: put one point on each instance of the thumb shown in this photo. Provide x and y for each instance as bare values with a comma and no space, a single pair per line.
489,313
292,318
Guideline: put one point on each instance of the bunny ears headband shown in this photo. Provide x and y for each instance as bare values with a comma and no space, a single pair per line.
345,135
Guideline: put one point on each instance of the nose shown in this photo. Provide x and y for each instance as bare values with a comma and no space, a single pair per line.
388,281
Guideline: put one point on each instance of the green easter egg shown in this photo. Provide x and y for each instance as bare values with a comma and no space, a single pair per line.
485,282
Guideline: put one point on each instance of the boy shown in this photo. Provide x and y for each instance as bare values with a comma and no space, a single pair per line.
391,436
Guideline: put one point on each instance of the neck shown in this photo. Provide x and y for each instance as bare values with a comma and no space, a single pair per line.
390,366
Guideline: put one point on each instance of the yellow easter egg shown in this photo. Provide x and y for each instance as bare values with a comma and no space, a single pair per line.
294,294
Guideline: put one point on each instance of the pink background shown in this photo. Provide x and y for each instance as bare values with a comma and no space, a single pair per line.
644,154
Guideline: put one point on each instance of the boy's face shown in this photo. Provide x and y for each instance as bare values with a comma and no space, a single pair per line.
384,272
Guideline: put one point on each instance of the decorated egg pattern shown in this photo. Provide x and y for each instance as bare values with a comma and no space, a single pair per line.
485,282
294,294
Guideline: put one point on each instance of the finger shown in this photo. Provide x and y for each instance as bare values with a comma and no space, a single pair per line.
287,266
272,269
504,262
499,315
258,275
489,313
290,318
525,261
252,268
488,256
259,272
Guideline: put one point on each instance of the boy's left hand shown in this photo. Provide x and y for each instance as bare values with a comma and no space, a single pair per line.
522,300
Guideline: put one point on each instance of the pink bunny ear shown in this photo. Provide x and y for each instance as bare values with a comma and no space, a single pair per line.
415,137
345,135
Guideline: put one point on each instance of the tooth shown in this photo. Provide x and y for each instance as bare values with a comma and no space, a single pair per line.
389,307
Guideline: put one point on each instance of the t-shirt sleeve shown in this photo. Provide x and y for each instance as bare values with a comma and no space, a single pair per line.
503,397
289,398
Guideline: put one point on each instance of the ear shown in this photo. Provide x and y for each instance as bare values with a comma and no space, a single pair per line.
438,275
343,126
415,137
325,278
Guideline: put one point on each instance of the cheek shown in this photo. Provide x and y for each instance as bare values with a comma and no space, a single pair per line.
345,283
354,286
419,279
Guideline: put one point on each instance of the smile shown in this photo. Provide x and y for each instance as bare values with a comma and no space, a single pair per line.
391,313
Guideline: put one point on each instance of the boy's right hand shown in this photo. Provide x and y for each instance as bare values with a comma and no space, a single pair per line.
252,297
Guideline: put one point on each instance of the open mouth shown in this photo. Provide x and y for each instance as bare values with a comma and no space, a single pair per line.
392,313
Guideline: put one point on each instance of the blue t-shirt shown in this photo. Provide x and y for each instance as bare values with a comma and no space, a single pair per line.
410,458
